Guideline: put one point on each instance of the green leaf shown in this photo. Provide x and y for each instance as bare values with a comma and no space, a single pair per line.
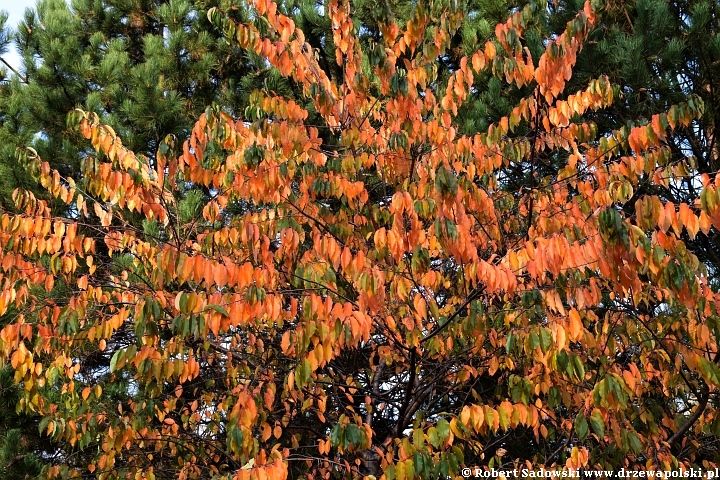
302,373
545,339
43,425
554,397
510,343
710,370
504,420
115,359
443,429
601,389
598,424
433,437
635,443
421,464
219,310
183,302
581,426
236,439
579,367
335,435
353,436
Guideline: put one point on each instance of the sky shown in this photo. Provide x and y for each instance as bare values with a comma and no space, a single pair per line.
16,11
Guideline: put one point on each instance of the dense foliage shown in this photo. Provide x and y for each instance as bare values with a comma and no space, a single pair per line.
149,69
380,267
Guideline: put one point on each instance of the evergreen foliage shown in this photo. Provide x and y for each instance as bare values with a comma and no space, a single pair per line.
22,447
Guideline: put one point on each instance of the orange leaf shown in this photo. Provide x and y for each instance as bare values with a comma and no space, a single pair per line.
576,328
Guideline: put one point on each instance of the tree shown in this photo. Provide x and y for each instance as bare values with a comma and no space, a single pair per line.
148,69
373,294
662,53
20,441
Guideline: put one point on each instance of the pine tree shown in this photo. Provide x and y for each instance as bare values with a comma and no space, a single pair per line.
661,53
21,444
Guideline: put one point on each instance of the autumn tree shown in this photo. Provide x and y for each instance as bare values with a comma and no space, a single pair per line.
373,293
148,69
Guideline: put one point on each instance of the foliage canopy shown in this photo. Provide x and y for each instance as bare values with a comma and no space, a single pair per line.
372,292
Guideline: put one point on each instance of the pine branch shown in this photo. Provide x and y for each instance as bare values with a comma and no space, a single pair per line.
22,78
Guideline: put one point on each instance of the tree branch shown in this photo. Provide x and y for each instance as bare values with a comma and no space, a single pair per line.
408,393
473,295
24,79
703,401
375,392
